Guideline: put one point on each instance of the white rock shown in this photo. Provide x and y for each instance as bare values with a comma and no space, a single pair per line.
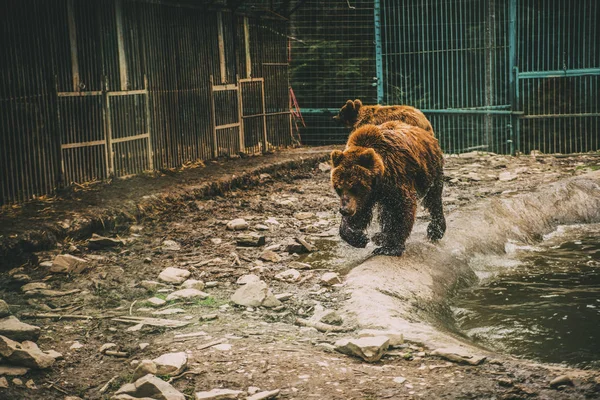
324,167
370,349
304,215
156,302
284,296
220,394
3,383
255,294
248,278
270,255
14,329
171,363
169,311
222,347
187,294
396,338
107,346
151,285
4,309
193,284
459,355
506,176
174,275
264,395
12,370
330,278
143,346
238,224
149,386
26,354
399,379
76,346
290,275
68,264
272,221
170,245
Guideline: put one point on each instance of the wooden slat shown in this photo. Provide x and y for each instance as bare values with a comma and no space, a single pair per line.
82,144
222,65
220,88
79,94
128,93
130,138
73,44
247,48
252,80
121,45
228,126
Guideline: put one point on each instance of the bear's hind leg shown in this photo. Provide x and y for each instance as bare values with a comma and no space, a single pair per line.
396,220
433,202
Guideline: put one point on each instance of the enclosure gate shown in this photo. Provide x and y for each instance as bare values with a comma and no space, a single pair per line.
118,143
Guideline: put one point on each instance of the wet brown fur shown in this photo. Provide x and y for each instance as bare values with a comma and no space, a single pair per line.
354,115
389,166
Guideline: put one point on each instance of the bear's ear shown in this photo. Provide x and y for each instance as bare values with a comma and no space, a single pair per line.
357,104
336,157
371,161
349,104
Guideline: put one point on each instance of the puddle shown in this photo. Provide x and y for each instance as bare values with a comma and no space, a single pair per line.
545,306
335,255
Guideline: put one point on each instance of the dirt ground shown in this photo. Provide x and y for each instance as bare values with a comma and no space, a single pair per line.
262,347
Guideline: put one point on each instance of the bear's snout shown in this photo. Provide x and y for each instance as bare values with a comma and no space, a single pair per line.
346,211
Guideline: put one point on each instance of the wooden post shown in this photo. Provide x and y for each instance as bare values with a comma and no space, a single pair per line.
247,48
264,110
214,118
148,126
107,131
121,45
240,115
223,67
73,44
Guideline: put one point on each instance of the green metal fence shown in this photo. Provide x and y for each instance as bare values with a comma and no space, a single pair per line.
504,76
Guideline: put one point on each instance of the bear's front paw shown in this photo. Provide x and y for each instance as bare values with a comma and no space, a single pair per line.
354,238
436,230
378,239
388,251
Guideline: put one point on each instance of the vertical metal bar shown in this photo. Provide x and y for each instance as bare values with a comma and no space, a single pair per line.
73,44
148,125
108,154
513,79
241,144
121,45
264,112
378,50
213,117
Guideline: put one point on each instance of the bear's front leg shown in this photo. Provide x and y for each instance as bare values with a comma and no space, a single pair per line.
396,219
352,229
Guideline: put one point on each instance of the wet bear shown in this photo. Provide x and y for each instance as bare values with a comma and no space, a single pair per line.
388,166
354,114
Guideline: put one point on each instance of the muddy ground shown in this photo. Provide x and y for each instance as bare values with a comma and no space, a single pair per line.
263,347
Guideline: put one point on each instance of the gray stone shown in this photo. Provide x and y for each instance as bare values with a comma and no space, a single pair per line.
169,311
506,176
193,284
156,302
4,309
250,240
144,368
304,215
136,228
330,278
284,296
272,221
459,355
107,346
14,329
187,294
561,380
97,242
264,395
3,383
26,354
34,286
220,394
170,245
150,386
331,317
171,363
290,275
255,294
248,278
12,370
174,275
299,265
370,349
324,167
238,224
21,278
396,338
68,264
151,285
270,255
261,227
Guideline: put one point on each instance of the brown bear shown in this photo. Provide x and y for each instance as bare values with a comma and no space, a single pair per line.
354,114
389,166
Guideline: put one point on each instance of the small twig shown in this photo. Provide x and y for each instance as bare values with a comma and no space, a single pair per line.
115,353
321,327
131,307
107,385
52,385
210,344
53,315
173,378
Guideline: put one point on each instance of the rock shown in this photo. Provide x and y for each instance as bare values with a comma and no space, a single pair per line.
331,317
3,383
220,394
76,346
330,278
370,349
151,285
174,275
290,275
171,363
506,176
269,255
46,264
188,294
299,265
249,278
253,390
299,246
136,229
304,215
98,242
399,379
324,167
211,284
261,227
150,386
264,395
272,221
169,311
68,264
216,241
17,382
26,354
238,224
396,338
4,309
170,245
209,317
12,370
193,284
284,296
14,329
458,355
54,354
156,302
144,368
250,240
72,398
222,347
21,278
255,294
30,384
561,381
107,346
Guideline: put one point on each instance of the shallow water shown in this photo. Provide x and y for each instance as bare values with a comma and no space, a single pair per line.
545,306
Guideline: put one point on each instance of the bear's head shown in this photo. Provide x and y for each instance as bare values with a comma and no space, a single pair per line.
354,175
348,114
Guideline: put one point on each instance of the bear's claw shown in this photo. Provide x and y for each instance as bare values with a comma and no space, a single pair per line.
388,251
